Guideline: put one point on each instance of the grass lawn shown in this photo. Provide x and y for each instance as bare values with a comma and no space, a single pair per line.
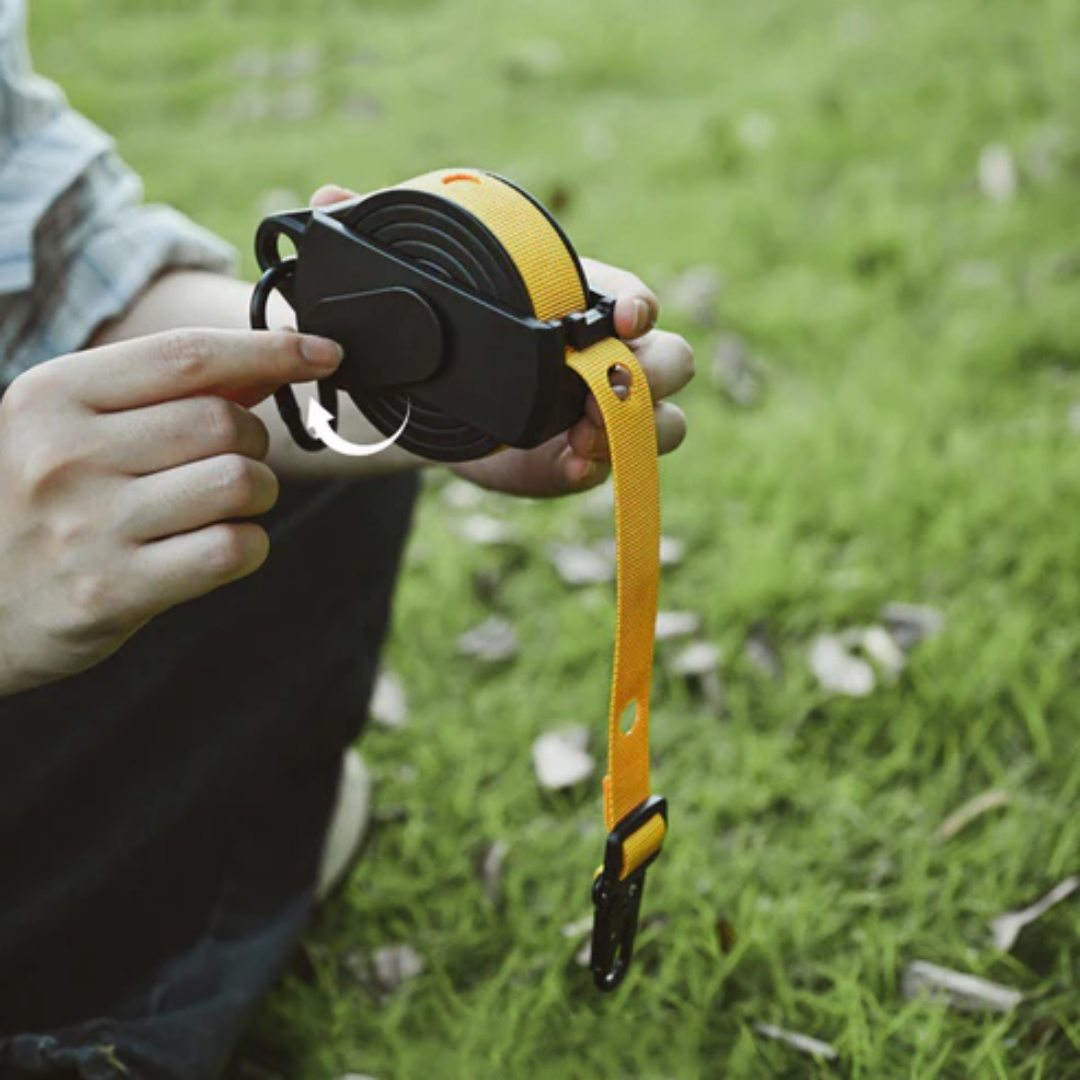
913,443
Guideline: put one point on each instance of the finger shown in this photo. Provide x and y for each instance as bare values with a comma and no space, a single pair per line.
667,360
576,473
670,427
636,306
193,496
181,363
329,194
144,441
589,440
168,572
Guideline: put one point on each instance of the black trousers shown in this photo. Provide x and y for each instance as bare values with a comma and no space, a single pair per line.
162,815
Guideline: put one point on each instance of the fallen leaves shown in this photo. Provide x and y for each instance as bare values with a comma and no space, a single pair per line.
560,758
384,970
852,661
580,564
485,530
957,990
494,641
805,1044
997,173
389,706
1006,928
837,669
911,623
677,624
698,664
969,812
490,871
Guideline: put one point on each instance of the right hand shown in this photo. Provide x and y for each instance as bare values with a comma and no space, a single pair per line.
123,470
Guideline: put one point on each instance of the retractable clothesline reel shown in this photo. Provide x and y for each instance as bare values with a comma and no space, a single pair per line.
468,326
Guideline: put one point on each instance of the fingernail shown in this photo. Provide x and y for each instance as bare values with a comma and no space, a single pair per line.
320,351
642,316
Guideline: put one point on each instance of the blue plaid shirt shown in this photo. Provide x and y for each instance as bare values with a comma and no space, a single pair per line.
77,243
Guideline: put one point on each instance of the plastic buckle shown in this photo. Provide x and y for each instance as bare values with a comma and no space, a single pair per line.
584,329
618,900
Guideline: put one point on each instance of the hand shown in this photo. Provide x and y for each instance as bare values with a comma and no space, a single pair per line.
122,471
579,459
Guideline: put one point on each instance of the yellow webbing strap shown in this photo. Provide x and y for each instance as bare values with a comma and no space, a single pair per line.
550,275
631,432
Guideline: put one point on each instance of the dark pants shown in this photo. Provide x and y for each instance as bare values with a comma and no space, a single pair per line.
161,816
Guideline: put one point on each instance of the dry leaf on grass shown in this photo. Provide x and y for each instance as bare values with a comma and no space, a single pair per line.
495,640
698,663
491,871
997,173
676,624
837,670
578,564
396,964
672,551
483,530
389,706
761,653
578,928
958,990
972,809
1006,928
803,1043
461,495
878,646
560,758
911,623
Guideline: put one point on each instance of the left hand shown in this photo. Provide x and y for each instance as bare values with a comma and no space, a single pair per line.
578,459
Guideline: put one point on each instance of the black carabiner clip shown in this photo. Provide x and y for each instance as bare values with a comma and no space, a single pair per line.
618,900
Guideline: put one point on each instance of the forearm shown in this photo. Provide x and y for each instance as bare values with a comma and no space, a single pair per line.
186,298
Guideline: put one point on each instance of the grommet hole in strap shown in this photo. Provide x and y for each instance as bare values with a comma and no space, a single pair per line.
629,717
621,381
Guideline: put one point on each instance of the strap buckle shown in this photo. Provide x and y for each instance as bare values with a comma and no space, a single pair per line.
618,899
583,329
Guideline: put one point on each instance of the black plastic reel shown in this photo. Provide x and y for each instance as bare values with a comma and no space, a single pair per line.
434,317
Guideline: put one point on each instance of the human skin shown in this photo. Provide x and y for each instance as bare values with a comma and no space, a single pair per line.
124,468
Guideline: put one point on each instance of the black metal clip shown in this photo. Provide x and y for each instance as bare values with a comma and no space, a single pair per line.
618,899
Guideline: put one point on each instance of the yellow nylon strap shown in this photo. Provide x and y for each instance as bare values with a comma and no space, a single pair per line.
631,431
550,275
537,250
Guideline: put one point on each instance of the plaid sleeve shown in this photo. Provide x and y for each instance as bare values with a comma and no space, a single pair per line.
77,242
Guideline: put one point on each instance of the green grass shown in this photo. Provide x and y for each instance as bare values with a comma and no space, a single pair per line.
924,350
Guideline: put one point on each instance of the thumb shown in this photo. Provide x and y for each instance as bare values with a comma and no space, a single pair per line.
329,194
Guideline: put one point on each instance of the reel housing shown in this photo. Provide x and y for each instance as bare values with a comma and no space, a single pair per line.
434,317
